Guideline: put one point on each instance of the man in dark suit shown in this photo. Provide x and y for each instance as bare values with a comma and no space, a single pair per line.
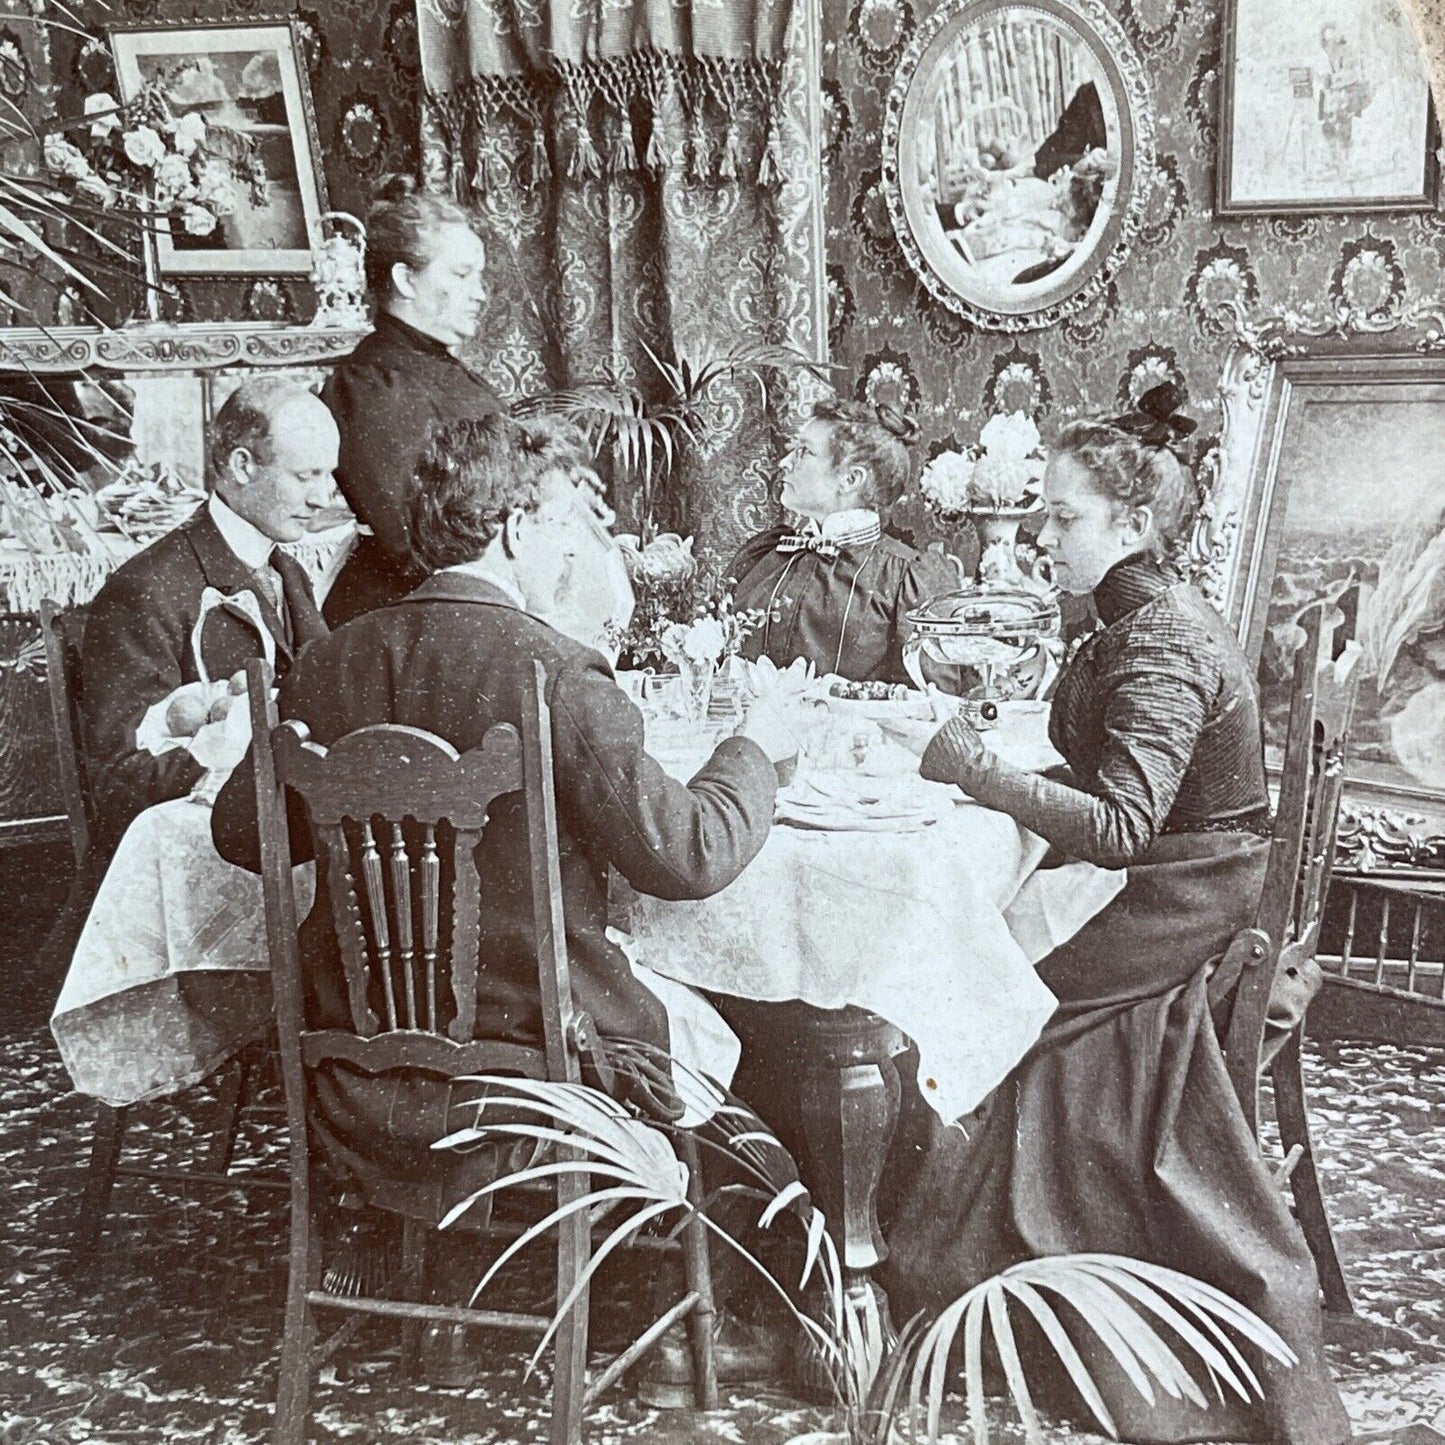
272,450
500,523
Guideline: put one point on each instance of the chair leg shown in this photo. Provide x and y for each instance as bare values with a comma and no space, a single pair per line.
234,1088
293,1381
415,1252
1287,1075
569,1370
100,1175
698,1271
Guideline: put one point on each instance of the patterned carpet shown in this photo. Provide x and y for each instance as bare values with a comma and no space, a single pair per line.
172,1334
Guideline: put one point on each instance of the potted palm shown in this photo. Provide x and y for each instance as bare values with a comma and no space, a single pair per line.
643,432
885,1388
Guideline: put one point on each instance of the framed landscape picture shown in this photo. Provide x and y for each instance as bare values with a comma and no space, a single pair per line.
246,80
1348,503
1325,109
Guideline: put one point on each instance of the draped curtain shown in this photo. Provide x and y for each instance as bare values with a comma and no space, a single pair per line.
647,178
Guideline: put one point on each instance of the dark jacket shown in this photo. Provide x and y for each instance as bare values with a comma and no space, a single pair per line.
137,648
455,657
387,396
844,615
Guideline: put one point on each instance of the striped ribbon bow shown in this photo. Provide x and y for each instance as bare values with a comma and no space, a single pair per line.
808,542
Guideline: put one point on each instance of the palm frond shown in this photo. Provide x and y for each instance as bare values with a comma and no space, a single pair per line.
29,237
1112,1296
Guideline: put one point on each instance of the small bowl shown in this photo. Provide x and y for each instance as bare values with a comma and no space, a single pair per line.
786,770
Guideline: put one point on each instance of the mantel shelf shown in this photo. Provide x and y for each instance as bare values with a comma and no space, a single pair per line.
180,347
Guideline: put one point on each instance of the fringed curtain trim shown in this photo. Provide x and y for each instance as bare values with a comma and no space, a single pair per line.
710,118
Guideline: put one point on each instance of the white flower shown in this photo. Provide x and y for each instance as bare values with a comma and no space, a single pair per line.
173,178
65,159
1014,435
704,640
106,108
143,146
188,132
1006,481
946,481
198,221
673,641
96,191
216,187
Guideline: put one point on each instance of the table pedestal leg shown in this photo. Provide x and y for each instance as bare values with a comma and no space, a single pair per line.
850,1112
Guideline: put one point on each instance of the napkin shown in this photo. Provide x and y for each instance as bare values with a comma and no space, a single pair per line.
781,685
852,801
217,746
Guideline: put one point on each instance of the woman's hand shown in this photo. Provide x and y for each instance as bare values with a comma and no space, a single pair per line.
953,753
910,732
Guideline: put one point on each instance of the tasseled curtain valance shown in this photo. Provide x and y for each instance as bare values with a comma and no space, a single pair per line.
521,91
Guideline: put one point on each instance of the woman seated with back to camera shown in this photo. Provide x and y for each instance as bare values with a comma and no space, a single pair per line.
836,590
1121,1132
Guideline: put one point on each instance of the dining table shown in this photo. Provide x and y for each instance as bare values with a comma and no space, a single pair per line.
875,930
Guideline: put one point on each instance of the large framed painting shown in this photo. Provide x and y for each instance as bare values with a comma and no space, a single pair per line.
245,81
1324,110
1337,458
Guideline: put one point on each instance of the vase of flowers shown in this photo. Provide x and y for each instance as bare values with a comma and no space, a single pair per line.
156,164
996,486
1000,630
676,595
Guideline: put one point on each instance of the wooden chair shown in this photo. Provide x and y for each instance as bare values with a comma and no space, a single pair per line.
1275,958
382,803
63,632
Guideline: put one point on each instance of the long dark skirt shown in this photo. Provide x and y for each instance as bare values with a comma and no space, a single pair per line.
1120,1133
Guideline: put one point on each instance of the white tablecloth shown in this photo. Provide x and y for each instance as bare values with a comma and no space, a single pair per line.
169,978
935,930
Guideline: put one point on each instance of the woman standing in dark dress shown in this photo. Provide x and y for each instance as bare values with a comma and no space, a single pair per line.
424,267
1120,1132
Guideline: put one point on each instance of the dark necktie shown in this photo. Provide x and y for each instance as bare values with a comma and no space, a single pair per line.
280,578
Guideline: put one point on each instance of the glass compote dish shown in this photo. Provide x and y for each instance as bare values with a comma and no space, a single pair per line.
1003,626
1001,633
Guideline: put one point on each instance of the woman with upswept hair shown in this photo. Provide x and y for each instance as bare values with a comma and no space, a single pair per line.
424,267
1120,1132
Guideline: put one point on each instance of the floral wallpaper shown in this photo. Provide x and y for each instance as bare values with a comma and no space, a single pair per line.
365,72
1153,323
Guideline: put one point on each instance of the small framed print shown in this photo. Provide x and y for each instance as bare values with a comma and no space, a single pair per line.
1325,111
246,83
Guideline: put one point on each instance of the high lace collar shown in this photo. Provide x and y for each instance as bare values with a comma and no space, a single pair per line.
1129,584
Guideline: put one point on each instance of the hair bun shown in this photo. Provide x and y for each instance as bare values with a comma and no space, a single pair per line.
895,422
393,188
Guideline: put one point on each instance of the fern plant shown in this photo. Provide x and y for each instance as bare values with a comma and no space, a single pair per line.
879,1382
643,433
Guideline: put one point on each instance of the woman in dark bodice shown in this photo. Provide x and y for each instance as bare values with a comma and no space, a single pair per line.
836,590
1121,1132
424,265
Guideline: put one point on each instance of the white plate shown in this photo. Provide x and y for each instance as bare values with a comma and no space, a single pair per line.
915,705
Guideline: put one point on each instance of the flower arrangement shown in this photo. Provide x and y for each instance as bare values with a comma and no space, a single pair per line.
1002,472
685,617
180,165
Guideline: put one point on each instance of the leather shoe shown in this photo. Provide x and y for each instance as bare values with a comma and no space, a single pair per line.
740,1351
